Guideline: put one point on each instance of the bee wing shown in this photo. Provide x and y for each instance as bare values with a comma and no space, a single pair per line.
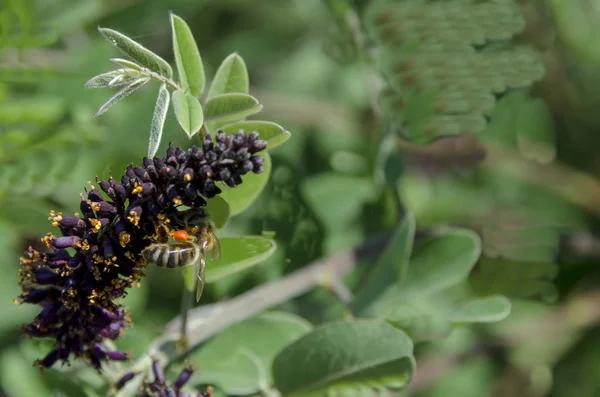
201,278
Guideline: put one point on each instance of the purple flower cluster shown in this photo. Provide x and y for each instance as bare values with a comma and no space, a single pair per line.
77,279
159,388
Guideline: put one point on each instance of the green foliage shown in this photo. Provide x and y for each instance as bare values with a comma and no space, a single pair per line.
239,253
346,176
187,57
188,112
231,107
273,133
158,120
231,76
365,356
240,357
227,100
241,197
137,52
443,76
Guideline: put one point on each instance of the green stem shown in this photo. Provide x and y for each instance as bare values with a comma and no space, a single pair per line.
165,80
187,302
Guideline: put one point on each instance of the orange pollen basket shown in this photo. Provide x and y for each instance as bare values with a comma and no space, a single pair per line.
181,235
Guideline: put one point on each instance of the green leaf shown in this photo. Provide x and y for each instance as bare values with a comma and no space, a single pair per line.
188,112
484,310
158,120
422,318
273,133
231,107
440,262
235,357
219,210
237,254
126,64
137,52
443,261
232,76
187,57
392,266
340,356
242,196
116,78
134,85
515,279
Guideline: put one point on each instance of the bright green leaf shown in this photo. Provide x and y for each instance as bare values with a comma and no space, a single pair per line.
345,355
188,112
187,57
273,133
392,266
237,254
232,76
231,355
242,196
484,310
219,211
158,120
126,64
137,52
230,107
134,85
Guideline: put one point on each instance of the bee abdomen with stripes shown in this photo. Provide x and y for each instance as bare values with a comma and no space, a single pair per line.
172,255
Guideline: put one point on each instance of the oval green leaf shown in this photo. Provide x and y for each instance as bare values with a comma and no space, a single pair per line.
242,196
345,355
231,107
232,76
187,57
158,120
438,263
443,261
484,310
219,211
188,112
237,254
273,133
137,52
391,266
232,357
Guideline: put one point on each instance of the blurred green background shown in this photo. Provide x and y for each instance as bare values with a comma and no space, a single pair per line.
339,180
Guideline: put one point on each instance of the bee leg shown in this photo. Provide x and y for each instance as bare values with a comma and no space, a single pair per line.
201,278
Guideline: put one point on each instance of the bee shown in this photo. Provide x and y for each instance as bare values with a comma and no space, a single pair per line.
193,242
